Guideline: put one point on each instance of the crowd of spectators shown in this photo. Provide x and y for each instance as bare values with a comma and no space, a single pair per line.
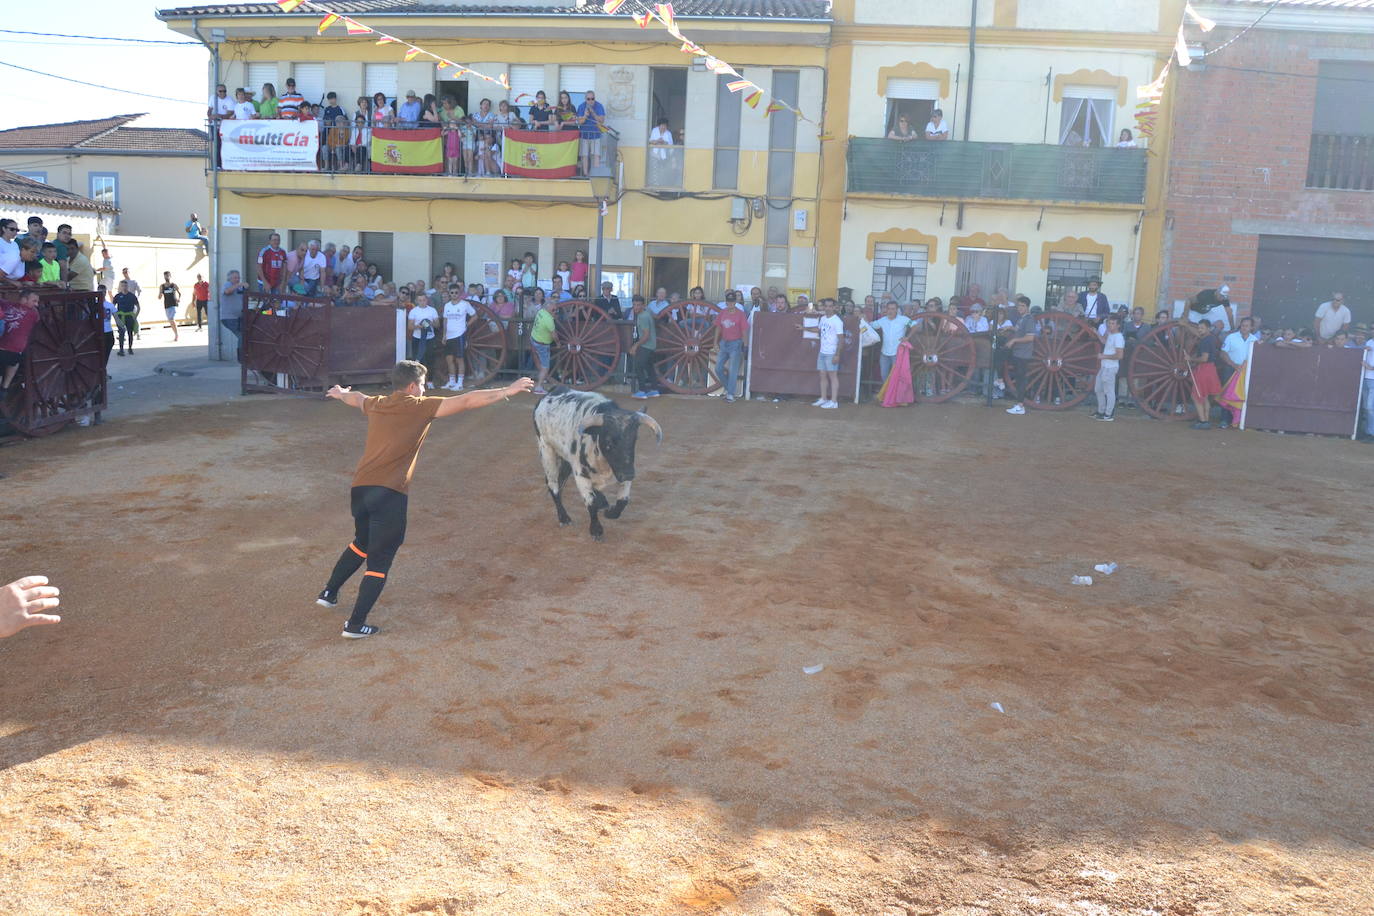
471,140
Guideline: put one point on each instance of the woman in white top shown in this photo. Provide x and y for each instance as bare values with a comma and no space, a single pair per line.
661,137
381,111
484,118
1126,140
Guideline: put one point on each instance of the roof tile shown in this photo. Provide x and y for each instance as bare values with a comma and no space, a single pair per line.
16,189
684,9
110,134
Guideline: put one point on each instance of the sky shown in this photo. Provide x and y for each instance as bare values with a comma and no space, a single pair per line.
177,72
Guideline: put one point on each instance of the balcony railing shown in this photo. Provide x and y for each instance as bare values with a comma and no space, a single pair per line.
953,169
1341,162
663,167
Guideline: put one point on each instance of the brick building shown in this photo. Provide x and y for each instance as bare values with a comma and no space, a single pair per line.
1271,177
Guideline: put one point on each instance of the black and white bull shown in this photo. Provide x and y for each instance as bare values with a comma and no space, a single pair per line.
589,437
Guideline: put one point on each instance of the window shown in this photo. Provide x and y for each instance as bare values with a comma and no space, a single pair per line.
377,250
446,249
1342,151
667,100
715,271
576,80
1069,273
914,98
295,237
775,267
254,241
1085,119
525,81
514,250
900,270
259,73
40,177
782,143
309,82
104,187
563,250
726,169
379,78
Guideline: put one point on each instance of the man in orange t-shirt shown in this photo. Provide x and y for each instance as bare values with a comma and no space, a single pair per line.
397,425
200,295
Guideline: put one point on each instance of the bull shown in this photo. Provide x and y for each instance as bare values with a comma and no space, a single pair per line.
589,437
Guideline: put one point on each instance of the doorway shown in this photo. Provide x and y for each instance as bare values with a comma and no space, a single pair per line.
670,273
991,269
917,112
456,88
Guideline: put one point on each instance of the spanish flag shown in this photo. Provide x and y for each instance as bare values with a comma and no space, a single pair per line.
540,153
407,152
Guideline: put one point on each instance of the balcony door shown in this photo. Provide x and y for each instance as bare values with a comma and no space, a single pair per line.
991,269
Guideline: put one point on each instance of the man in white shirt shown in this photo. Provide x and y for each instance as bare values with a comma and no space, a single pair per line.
1113,345
1332,317
1369,390
937,128
981,329
11,263
893,327
313,266
830,328
243,108
1235,349
456,314
659,302
423,322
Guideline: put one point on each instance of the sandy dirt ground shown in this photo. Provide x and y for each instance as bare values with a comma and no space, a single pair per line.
547,725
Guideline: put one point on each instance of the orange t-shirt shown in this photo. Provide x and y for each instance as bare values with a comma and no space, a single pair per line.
202,291
396,428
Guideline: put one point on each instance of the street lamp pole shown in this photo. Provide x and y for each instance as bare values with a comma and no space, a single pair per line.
602,186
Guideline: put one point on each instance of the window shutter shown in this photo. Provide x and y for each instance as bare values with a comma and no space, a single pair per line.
576,80
525,81
260,73
446,249
309,81
379,78
377,250
913,89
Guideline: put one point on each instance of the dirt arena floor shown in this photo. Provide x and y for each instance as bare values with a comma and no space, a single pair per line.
547,725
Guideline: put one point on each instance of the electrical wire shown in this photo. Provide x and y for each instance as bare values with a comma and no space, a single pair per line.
146,95
141,41
1241,34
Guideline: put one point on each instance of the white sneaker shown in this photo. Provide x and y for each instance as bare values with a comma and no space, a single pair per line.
830,405
459,386
1016,410
819,402
429,384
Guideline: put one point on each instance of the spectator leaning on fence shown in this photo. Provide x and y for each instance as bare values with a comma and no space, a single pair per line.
893,327
11,264
1333,316
19,320
591,114
272,265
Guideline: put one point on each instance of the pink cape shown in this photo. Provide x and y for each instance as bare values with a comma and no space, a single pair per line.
896,390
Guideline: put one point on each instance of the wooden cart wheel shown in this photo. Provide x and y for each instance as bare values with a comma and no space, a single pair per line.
1064,363
942,357
486,352
586,345
687,339
1158,377
64,368
294,344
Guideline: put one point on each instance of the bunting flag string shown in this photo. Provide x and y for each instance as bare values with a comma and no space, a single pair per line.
354,27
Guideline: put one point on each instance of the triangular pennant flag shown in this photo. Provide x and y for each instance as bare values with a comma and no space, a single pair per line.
289,5
737,85
327,21
1202,21
691,47
612,6
1181,49
774,106
665,14
643,19
752,99
412,53
387,39
505,82
720,67
356,28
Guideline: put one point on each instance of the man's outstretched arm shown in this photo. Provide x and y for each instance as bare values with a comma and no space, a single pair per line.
475,399
347,395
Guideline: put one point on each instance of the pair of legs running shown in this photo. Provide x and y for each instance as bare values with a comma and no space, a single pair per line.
379,529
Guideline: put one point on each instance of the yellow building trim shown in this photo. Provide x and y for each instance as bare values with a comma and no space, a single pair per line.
1004,14
1070,245
626,53
995,240
1091,78
919,70
903,237
1065,206
835,122
1043,38
1170,15
1149,264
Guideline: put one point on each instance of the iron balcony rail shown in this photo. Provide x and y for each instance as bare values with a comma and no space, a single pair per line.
953,169
1343,162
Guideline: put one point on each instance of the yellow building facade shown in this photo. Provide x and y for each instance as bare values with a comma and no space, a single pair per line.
1030,191
732,203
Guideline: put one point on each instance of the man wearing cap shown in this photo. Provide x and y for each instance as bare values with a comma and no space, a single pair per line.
409,111
1094,302
980,329
1214,305
609,302
1333,317
290,101
731,323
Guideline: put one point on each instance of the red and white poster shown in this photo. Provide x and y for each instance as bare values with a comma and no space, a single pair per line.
269,146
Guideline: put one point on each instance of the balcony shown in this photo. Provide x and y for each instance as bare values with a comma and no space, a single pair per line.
1341,162
663,167
968,170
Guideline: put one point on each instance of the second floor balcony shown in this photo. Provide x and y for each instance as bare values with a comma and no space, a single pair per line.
970,170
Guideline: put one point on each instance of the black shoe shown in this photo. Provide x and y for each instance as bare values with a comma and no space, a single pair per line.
1107,417
361,632
1097,415
121,352
1201,425
327,599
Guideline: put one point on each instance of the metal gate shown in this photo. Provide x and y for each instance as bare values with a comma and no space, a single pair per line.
291,343
62,376
1293,275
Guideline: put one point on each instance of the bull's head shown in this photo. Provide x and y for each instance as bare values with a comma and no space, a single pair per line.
615,433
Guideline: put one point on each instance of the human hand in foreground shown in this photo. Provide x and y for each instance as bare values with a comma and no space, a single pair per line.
22,603
520,386
337,392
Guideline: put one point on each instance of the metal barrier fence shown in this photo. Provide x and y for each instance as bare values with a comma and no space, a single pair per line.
62,376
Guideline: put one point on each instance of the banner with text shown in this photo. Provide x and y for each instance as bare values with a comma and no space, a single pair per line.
269,146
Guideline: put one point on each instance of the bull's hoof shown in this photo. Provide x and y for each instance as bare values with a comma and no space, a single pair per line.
598,538
564,522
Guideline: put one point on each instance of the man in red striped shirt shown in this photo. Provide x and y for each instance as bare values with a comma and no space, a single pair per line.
732,322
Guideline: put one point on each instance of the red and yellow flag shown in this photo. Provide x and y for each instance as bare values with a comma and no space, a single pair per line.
772,107
612,6
752,99
540,153
328,20
289,5
356,28
407,152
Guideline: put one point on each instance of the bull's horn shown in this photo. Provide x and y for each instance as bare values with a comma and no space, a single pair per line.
591,422
653,424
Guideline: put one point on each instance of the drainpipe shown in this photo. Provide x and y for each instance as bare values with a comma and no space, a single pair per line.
968,91
215,342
